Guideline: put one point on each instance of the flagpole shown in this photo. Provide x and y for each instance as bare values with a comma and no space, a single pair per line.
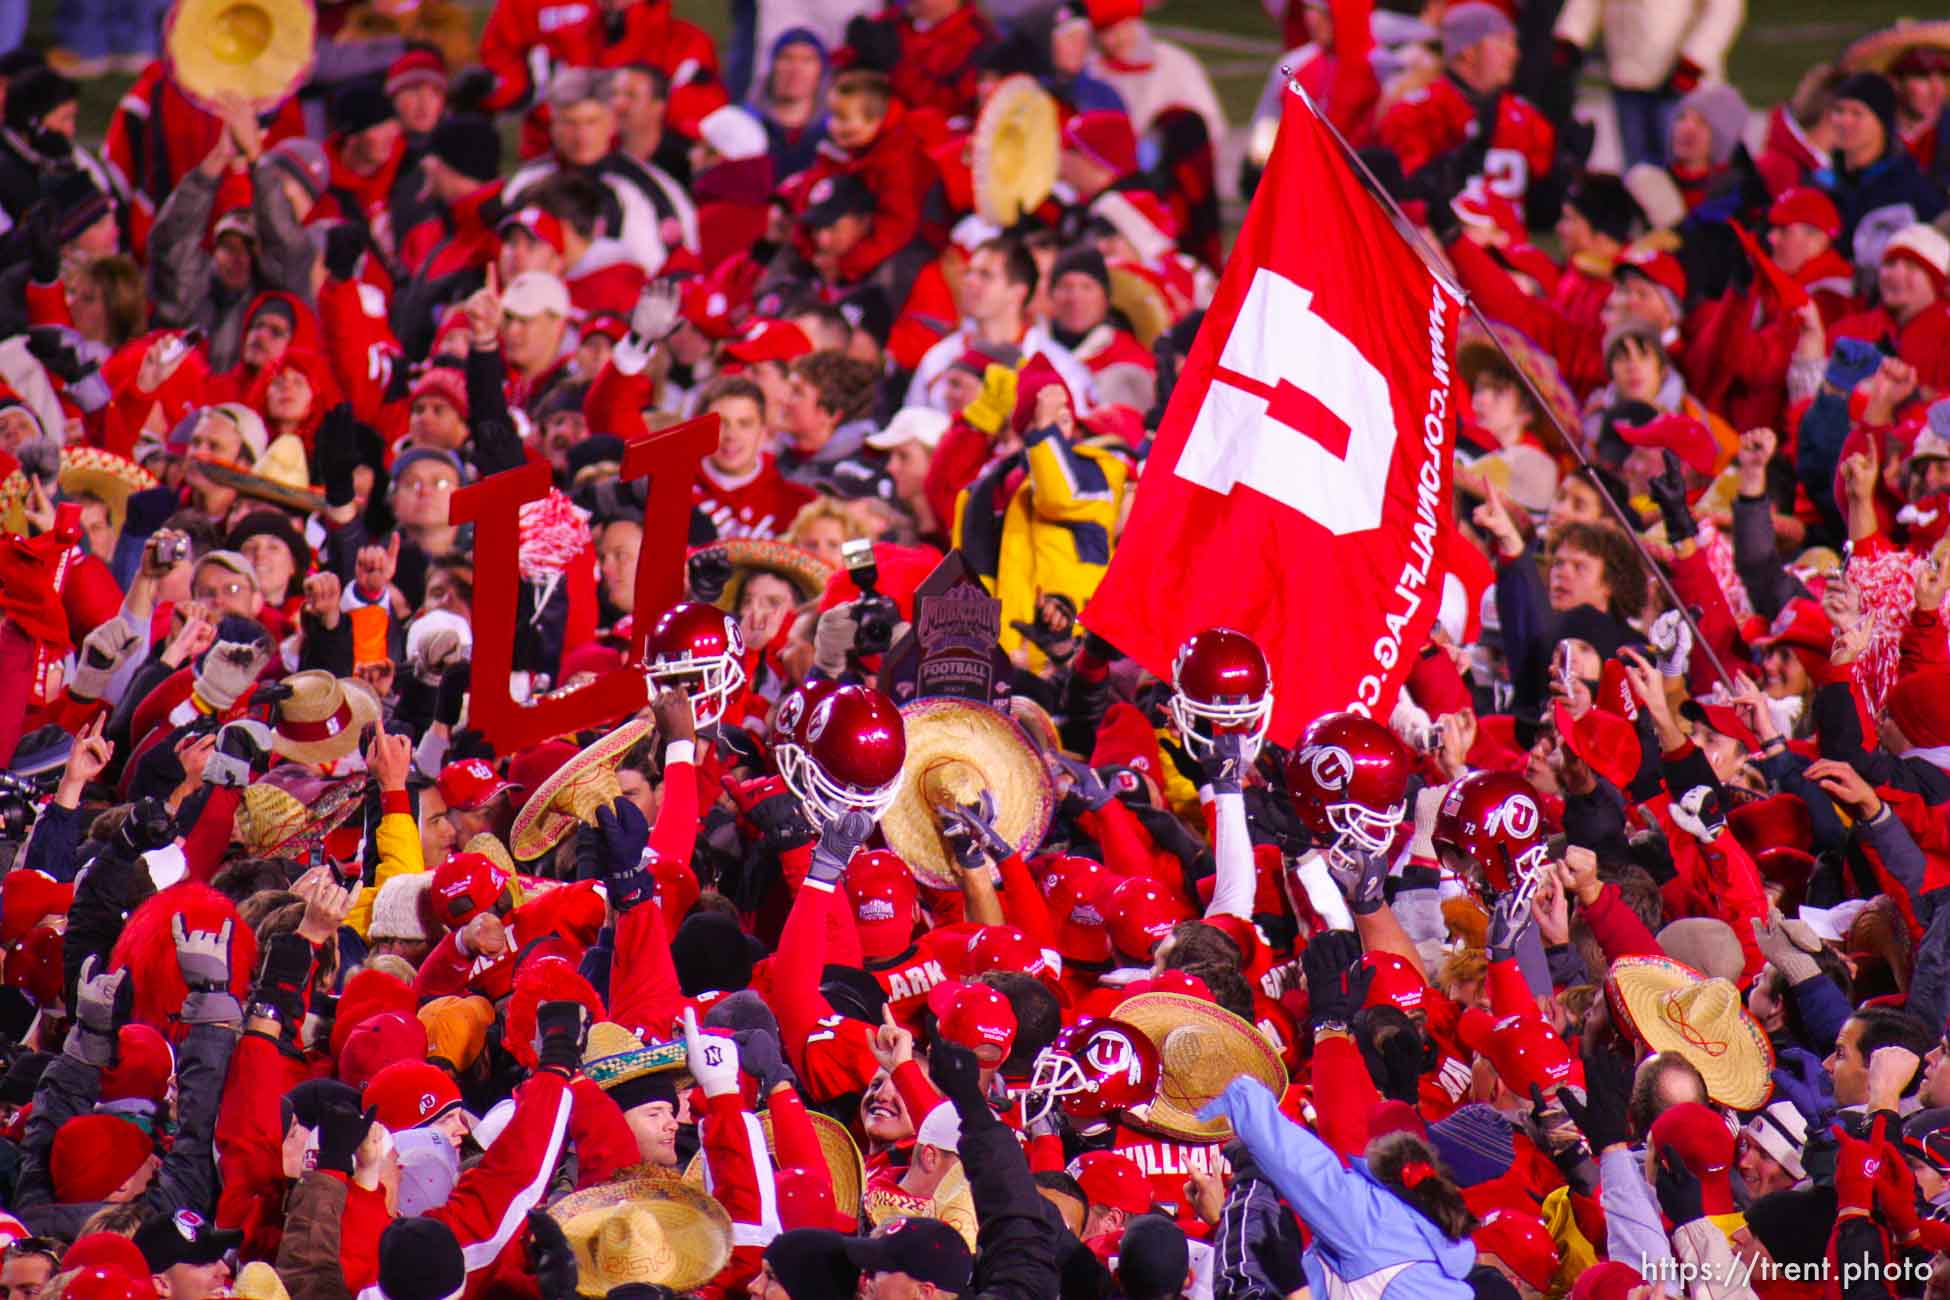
1433,257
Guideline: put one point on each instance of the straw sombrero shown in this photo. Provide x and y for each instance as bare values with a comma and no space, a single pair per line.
281,475
955,750
806,572
289,811
1879,51
1202,1047
322,719
1476,352
657,1231
572,793
1137,293
1015,147
489,846
614,1055
1036,723
1673,1008
258,50
99,473
843,1160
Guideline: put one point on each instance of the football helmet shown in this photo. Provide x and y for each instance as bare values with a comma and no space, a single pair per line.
1349,780
697,649
1220,682
844,752
1093,1069
1490,830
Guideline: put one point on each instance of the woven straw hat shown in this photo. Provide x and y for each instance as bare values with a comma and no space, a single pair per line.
281,475
1202,1048
83,469
614,1055
258,50
655,1231
1015,146
843,1160
1137,293
1878,51
289,805
1476,352
259,1281
807,573
1673,1008
322,720
489,846
572,793
955,750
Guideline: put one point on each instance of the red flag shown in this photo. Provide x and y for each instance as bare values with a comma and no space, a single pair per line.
1298,487
1775,282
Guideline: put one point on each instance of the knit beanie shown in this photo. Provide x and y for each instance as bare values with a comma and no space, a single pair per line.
1874,91
420,1259
710,954
1606,206
360,107
468,143
811,1264
1725,114
34,94
1794,1225
1465,24
1084,260
1153,1259
396,909
95,1154
304,160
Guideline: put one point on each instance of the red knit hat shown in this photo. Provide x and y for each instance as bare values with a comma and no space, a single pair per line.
1522,1242
95,1154
26,899
416,67
377,1042
369,993
1037,375
1125,739
99,1283
1608,1279
1105,136
443,382
1109,13
407,1094
1919,705
1705,1143
142,1069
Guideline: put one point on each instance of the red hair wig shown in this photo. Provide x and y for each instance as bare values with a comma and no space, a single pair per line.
147,948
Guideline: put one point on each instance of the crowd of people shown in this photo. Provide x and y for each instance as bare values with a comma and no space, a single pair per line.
1613,963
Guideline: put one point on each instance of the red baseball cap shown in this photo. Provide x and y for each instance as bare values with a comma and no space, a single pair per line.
708,308
471,784
545,226
1806,206
1141,914
1606,743
1522,1242
1001,947
1663,269
769,340
409,1094
605,324
1113,1180
973,1015
1682,435
882,894
1397,982
378,1042
1525,1050
1722,718
466,885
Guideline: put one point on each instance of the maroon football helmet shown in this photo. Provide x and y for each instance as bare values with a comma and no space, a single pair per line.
1093,1069
844,753
1491,829
1349,779
697,649
1220,679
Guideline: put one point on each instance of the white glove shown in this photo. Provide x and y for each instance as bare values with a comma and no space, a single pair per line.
713,1059
655,315
1672,643
1698,813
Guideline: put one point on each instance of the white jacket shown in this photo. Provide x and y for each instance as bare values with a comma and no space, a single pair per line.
1645,38
1174,79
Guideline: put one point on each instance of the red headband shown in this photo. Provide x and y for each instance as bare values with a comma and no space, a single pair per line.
324,729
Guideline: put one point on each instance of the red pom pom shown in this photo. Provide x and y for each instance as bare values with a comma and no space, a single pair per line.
148,948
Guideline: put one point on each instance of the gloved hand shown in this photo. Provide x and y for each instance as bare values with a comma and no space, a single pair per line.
1086,785
1225,770
1685,78
760,1057
1601,1115
995,405
776,814
102,652
833,639
228,669
240,745
1781,951
54,347
345,243
839,840
1672,643
338,453
1337,978
970,831
625,835
959,1076
1679,1190
342,1129
455,682
551,1261
658,311
1858,1163
1698,813
1668,489
1370,891
1852,361
203,956
711,1058
561,1029
282,978
1896,1195
469,90
1508,921
709,573
104,1001
1798,1075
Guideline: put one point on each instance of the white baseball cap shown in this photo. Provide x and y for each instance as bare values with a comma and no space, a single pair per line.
534,292
922,424
733,132
941,1128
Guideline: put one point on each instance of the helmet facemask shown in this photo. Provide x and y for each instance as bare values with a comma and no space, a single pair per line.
825,800
1251,718
709,684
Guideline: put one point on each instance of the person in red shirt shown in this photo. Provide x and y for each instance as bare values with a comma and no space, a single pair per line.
927,48
522,35
739,485
1911,279
871,141
366,149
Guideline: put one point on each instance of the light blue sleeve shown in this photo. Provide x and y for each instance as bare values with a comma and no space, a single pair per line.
1340,1207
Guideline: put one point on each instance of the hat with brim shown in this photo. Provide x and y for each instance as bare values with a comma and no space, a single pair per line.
651,1231
1671,1007
843,1160
1137,293
807,573
289,810
956,749
1476,351
1202,1048
323,718
89,470
572,793
490,847
1881,51
281,476
257,50
614,1055
1014,147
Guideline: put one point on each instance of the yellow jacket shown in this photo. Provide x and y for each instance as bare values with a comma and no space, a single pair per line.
399,855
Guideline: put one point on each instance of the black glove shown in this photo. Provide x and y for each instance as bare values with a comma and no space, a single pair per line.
959,1076
1607,1090
780,821
338,453
875,44
312,1098
469,90
759,1056
148,826
50,345
1225,770
1508,921
1371,888
551,1262
455,681
1668,489
709,572
345,243
340,1131
1678,1187
282,978
240,746
560,1031
1337,978
1574,141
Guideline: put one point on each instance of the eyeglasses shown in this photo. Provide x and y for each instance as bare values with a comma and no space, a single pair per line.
46,1247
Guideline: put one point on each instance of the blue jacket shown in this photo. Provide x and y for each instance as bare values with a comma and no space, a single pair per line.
1368,1244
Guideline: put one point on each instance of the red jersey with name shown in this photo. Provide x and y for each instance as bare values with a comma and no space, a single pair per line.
1167,1162
1430,122
907,978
